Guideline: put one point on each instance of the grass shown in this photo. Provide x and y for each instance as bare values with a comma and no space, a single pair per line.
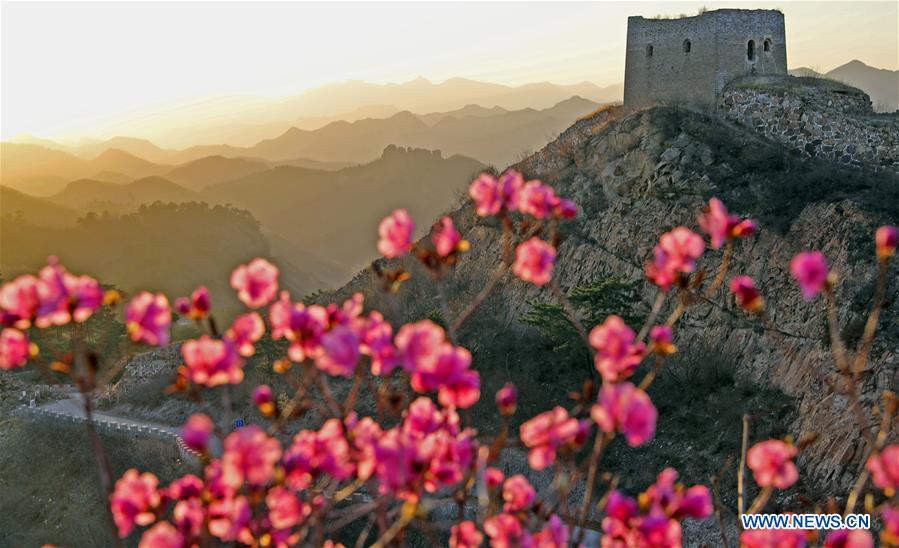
49,488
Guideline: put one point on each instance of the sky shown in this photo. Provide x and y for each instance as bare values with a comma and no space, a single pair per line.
64,65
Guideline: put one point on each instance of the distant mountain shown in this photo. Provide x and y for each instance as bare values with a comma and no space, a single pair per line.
24,166
881,85
98,196
213,169
243,120
334,215
21,207
805,72
134,146
493,135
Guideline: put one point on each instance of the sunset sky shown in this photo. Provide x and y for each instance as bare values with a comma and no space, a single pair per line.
66,66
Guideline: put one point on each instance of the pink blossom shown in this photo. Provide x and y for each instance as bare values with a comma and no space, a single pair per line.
720,226
768,538
245,332
285,510
518,493
810,270
617,353
264,399
256,283
746,293
395,234
249,456
465,534
885,239
189,516
884,468
544,434
148,318
485,195
507,399
625,408
505,531
229,519
185,487
534,261
197,431
553,535
458,386
19,301
211,362
565,209
446,238
419,344
377,343
314,453
492,195
14,348
537,199
890,519
63,296
340,352
772,465
846,538
197,306
301,325
662,338
494,477
134,501
675,254
162,535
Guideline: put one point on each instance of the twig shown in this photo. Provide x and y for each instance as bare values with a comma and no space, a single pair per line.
861,356
595,458
653,314
743,444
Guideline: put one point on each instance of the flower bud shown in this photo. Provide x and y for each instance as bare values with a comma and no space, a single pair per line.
507,399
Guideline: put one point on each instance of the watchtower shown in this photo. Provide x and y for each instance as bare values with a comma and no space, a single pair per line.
691,59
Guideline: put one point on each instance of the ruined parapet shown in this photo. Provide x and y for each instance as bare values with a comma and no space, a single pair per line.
690,60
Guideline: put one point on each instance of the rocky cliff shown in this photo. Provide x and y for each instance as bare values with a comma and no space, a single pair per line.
640,175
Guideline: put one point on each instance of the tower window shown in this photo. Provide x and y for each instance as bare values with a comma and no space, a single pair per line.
750,50
649,50
687,46
766,45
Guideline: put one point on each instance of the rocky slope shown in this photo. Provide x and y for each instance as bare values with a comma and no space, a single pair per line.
640,175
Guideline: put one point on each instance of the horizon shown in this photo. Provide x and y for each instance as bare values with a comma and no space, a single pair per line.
584,44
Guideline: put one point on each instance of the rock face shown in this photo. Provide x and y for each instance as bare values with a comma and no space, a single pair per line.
820,118
637,177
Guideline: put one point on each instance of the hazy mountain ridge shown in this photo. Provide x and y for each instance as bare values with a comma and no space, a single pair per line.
881,85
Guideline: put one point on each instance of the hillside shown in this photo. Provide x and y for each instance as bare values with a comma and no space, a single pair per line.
331,214
162,247
634,179
98,196
26,166
15,205
213,169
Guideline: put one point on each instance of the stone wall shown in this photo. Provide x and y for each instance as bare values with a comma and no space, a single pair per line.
690,60
820,118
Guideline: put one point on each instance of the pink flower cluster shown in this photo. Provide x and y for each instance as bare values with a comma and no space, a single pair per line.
195,307
884,468
656,520
510,192
748,296
436,364
534,261
550,431
624,408
810,270
618,353
675,254
395,234
53,297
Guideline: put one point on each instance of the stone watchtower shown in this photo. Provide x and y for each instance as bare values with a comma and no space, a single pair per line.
690,60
